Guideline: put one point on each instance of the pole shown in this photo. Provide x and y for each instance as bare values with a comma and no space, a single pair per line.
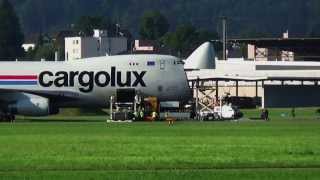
217,91
197,99
237,88
135,104
56,56
256,89
220,107
224,36
111,106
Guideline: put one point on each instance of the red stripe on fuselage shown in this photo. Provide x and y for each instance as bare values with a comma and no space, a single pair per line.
18,77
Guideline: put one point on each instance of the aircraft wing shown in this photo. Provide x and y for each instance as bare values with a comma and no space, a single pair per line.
226,78
252,78
57,95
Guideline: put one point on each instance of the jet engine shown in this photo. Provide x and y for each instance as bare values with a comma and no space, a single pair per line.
32,105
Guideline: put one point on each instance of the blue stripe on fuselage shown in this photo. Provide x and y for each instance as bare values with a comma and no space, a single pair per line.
18,82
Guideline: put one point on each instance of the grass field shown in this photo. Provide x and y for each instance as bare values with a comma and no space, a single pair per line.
66,147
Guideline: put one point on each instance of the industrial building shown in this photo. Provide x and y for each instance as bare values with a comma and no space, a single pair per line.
280,49
276,83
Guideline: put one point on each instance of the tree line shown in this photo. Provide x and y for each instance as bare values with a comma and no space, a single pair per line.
178,26
153,26
246,18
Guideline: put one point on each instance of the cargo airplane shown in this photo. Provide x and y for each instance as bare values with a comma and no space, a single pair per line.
41,88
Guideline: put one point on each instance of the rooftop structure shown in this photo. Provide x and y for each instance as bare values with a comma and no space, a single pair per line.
97,45
297,49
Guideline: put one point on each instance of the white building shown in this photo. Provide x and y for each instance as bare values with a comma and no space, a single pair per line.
28,46
97,45
143,45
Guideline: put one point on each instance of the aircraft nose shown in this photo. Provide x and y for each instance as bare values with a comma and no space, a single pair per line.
186,92
178,90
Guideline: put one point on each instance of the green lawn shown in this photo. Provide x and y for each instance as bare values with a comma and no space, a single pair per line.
87,148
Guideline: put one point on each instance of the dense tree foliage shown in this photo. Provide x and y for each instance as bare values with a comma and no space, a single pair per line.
86,24
150,19
44,50
153,25
246,18
11,37
185,39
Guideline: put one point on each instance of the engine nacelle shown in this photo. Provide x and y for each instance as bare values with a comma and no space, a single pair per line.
33,105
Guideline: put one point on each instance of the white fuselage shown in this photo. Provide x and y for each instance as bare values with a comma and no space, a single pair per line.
91,82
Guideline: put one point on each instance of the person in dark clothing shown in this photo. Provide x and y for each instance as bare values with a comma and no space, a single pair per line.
263,114
293,112
266,115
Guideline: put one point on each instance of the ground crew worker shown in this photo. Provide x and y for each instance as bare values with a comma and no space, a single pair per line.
293,112
154,116
135,116
266,116
169,119
142,115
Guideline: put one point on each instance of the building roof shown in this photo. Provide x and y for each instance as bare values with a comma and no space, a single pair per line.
289,44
